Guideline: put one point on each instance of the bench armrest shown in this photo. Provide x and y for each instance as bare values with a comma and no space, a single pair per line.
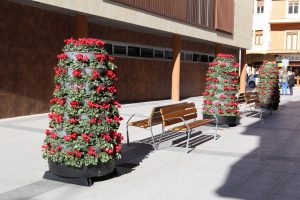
214,115
181,118
136,114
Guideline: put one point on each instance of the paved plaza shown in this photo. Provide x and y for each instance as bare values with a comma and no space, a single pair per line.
256,160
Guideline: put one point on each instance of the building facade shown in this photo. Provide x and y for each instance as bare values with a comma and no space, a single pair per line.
162,48
276,26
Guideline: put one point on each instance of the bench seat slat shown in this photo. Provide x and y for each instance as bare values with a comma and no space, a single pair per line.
176,120
192,125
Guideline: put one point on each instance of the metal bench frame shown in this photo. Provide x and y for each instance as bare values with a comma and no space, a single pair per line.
153,119
181,114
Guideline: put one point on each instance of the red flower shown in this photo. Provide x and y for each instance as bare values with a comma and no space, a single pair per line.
100,57
76,73
86,137
100,88
62,56
59,147
108,120
118,148
112,89
111,74
117,104
72,121
74,104
95,75
57,87
220,111
78,153
110,58
59,71
81,58
223,96
66,138
53,135
117,119
110,151
92,152
48,132
92,121
69,41
70,153
106,137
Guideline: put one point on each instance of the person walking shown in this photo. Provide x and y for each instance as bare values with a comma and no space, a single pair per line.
284,83
291,81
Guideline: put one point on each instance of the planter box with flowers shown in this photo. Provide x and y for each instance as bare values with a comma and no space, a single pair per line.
268,86
83,140
221,88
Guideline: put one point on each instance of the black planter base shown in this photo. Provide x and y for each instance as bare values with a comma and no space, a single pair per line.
85,175
229,120
79,181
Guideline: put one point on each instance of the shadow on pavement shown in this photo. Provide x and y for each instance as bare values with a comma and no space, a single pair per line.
271,171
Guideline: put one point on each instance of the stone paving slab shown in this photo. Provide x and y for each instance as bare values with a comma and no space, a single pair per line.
256,160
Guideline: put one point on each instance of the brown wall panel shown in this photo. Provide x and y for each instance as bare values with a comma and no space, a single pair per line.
192,80
143,80
33,37
197,12
224,17
29,45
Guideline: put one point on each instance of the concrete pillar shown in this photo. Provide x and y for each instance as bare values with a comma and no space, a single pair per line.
218,49
81,26
243,71
175,95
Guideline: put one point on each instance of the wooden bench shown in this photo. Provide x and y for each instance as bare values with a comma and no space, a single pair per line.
180,114
252,101
153,119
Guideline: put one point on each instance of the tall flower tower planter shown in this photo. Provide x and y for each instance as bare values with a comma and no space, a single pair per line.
268,86
82,140
221,88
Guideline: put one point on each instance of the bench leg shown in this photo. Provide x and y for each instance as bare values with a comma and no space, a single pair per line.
127,134
154,144
188,140
160,139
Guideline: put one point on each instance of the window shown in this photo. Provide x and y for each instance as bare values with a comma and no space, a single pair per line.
196,57
293,8
211,58
146,53
133,51
169,55
260,7
120,50
108,48
181,56
188,56
291,40
204,58
158,54
258,37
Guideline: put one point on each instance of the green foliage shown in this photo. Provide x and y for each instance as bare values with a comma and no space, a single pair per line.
84,116
221,87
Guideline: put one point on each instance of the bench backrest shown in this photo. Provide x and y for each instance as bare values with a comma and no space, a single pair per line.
170,115
155,115
251,97
240,97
